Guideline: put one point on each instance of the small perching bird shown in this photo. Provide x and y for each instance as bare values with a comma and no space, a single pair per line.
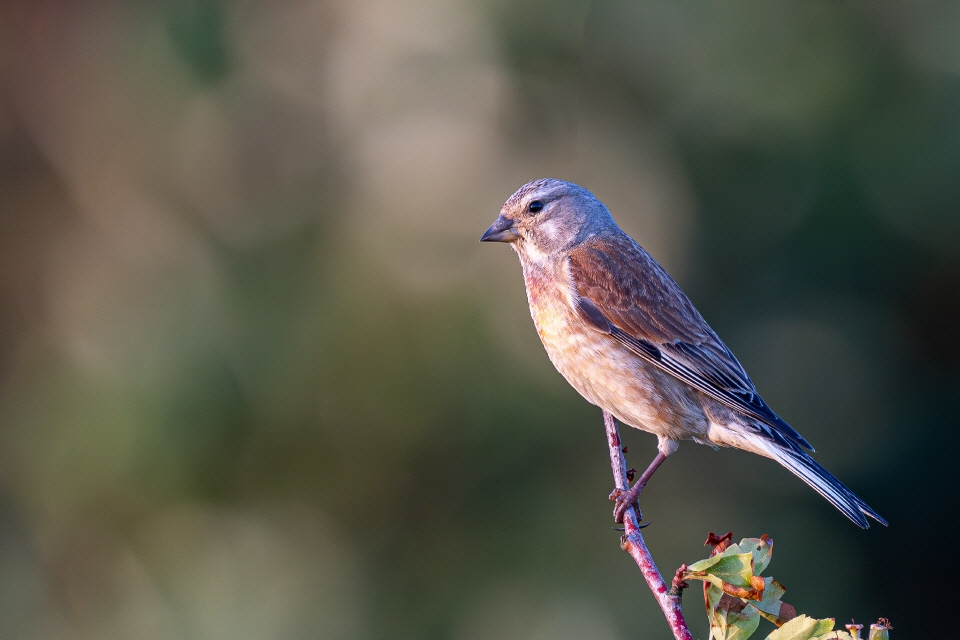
625,336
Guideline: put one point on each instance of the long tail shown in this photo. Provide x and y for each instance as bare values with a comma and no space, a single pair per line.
823,482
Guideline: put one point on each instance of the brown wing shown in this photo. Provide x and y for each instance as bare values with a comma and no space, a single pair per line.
621,290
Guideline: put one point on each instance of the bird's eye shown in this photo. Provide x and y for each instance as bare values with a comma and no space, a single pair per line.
535,206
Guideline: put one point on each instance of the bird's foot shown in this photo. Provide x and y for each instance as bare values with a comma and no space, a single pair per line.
624,500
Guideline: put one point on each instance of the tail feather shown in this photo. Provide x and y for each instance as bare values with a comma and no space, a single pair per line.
823,482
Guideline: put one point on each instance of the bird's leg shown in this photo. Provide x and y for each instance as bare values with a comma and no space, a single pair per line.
625,499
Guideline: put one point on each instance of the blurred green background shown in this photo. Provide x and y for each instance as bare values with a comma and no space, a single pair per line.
258,379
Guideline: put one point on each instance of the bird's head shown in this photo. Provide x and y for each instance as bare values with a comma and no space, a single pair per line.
548,217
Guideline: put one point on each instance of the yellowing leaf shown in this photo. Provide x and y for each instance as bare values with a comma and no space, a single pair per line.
836,635
803,628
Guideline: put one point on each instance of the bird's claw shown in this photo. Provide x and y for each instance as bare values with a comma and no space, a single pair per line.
624,500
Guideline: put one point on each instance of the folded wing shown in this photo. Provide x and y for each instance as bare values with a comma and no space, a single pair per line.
620,290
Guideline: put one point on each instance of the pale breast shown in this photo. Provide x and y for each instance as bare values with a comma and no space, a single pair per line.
602,370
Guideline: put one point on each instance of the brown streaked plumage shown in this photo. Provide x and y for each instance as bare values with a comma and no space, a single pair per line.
627,338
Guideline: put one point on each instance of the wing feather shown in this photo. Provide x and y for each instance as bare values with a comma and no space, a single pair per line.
622,291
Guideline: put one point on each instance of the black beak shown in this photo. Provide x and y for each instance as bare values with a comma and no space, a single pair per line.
502,230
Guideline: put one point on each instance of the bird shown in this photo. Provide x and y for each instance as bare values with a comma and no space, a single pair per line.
621,331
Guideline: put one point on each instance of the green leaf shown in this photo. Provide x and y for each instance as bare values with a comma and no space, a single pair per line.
771,607
706,564
732,572
730,618
760,548
737,569
804,628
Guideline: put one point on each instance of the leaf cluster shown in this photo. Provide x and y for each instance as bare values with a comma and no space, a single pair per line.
736,596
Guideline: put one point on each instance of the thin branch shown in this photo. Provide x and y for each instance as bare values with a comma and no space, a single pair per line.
632,542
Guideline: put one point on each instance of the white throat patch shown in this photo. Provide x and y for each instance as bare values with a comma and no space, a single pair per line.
533,254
